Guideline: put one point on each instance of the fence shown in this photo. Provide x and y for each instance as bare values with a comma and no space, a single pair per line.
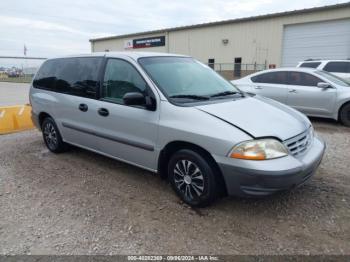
22,69
19,69
232,71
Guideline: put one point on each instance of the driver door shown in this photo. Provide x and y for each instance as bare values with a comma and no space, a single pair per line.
305,96
128,133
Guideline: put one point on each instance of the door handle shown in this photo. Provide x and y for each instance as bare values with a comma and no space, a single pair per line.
293,91
258,87
103,112
83,107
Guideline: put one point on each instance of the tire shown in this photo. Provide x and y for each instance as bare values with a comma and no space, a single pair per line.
52,137
192,178
344,115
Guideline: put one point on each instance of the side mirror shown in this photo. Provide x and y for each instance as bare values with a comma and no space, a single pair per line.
138,99
323,85
134,99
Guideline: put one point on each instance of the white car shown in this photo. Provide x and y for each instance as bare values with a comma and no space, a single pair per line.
339,68
311,91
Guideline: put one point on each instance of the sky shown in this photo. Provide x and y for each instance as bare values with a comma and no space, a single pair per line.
59,27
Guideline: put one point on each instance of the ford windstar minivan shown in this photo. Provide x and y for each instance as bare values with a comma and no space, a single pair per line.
173,115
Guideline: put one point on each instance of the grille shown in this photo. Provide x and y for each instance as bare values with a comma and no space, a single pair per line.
299,144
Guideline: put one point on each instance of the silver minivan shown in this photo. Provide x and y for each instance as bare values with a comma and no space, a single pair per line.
175,116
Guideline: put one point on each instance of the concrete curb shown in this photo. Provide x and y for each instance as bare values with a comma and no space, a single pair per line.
15,119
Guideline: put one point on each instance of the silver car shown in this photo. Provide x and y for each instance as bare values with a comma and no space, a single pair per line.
311,91
174,116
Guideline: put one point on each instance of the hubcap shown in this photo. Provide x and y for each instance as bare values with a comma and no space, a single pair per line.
50,135
188,179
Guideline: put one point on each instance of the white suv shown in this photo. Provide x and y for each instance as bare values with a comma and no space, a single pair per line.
340,68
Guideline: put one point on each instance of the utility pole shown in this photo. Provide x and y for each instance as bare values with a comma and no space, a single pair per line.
26,63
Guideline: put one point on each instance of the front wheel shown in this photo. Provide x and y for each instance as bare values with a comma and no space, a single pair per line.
192,178
345,115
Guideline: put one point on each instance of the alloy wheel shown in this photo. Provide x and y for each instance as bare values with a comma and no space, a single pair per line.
50,135
188,179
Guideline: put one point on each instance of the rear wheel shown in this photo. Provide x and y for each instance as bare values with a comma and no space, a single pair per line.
52,136
192,178
345,114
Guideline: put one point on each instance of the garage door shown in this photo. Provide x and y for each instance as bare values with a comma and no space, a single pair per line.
321,40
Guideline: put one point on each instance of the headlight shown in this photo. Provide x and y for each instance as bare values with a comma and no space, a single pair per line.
261,149
312,132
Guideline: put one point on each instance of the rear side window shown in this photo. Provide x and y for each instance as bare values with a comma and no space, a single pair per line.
303,79
271,78
74,76
310,64
121,78
46,76
337,67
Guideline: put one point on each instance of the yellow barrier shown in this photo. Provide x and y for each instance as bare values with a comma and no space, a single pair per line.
15,118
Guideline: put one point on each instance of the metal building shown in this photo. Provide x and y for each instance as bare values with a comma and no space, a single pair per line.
280,39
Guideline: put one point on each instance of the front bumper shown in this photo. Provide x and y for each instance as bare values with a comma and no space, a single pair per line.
260,178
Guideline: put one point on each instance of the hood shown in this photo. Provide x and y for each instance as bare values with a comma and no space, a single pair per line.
259,117
240,81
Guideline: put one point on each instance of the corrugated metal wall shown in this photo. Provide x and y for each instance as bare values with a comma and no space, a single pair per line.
256,41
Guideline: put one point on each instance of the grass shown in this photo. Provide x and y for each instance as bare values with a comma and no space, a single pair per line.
26,79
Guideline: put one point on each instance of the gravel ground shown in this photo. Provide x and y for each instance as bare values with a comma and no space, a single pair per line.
83,203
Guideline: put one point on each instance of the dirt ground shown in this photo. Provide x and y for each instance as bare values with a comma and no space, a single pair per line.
83,203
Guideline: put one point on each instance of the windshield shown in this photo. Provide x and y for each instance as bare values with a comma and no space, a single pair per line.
333,78
185,78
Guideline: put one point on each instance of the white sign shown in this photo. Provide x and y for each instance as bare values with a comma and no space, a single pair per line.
128,44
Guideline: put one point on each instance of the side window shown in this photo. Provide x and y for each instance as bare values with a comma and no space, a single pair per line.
303,79
78,76
337,67
45,78
74,76
310,64
121,78
271,78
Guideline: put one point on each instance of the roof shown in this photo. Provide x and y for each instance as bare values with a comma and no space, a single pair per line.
135,55
282,69
302,69
132,54
245,19
325,60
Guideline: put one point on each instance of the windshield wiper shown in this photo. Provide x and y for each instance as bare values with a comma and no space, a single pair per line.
226,93
196,97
